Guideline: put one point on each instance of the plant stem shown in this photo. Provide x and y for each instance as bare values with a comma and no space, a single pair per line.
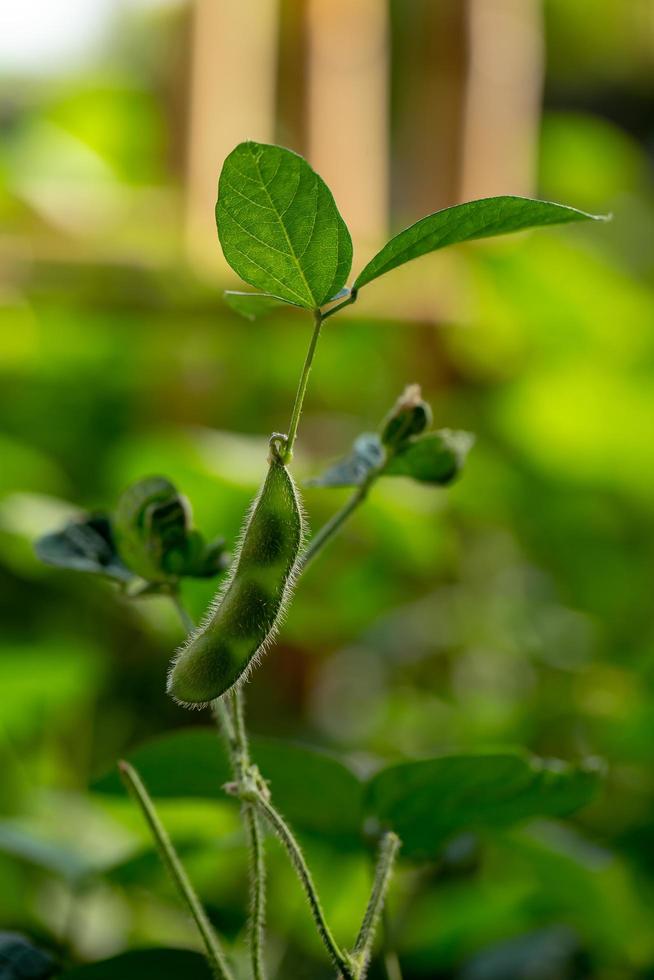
392,965
388,851
241,762
258,891
334,524
170,858
283,831
302,387
230,717
352,298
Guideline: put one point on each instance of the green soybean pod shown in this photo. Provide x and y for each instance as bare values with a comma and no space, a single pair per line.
243,618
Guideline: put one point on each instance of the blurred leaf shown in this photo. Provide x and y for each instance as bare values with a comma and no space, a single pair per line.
156,538
426,802
164,964
86,545
253,305
367,454
279,226
466,222
45,680
20,960
185,763
410,416
313,789
48,855
435,458
549,954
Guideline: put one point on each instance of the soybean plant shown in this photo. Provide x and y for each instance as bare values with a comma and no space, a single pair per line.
282,233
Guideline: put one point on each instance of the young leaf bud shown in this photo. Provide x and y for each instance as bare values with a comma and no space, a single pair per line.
409,417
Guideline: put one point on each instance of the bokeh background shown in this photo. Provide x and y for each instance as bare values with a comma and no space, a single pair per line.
515,608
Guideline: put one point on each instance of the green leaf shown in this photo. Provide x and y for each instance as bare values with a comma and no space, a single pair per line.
279,227
312,788
367,454
164,964
429,801
435,458
253,305
466,222
156,538
20,960
556,950
48,855
409,417
87,545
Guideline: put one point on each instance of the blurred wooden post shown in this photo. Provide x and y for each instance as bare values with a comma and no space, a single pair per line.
428,78
348,108
232,98
503,97
292,76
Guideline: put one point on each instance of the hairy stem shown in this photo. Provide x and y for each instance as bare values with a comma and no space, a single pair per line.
229,715
170,858
302,387
283,831
388,851
258,891
241,762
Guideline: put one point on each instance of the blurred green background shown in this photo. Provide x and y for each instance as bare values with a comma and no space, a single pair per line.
513,609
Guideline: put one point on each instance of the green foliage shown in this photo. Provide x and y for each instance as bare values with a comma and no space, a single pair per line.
410,416
426,802
279,226
196,764
87,545
436,458
253,305
164,964
424,665
466,222
367,457
150,536
20,960
155,535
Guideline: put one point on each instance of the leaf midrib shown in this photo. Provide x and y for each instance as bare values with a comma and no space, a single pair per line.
279,215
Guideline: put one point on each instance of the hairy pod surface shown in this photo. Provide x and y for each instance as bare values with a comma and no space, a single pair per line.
246,611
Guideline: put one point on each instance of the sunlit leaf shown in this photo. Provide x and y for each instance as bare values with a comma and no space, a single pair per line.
426,802
195,764
434,458
164,964
279,226
465,222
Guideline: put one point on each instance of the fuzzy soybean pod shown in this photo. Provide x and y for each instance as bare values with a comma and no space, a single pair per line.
246,611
